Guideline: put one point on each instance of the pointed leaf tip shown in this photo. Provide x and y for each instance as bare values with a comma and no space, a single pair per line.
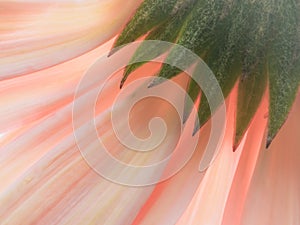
156,81
269,142
196,129
250,92
121,85
284,66
126,73
235,147
185,117
111,52
190,99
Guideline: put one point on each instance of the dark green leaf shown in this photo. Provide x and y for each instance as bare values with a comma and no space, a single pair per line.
250,92
192,92
150,14
196,34
224,59
168,31
253,81
283,65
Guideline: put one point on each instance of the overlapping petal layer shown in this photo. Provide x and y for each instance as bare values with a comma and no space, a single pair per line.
45,180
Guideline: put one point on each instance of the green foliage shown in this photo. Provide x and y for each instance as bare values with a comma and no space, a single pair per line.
193,92
150,14
168,31
253,81
197,34
254,42
284,71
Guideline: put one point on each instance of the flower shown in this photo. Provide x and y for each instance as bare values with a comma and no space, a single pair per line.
45,179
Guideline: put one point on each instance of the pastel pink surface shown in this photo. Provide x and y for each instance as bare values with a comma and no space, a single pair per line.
44,178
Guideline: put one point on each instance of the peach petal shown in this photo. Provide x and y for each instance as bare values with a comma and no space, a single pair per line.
29,98
39,34
274,192
54,183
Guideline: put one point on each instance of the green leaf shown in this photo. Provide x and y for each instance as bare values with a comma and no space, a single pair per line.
196,35
204,110
168,31
255,41
193,92
224,59
284,73
150,14
250,92
253,81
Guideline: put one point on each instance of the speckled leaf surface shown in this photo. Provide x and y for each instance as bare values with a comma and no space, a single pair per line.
256,43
